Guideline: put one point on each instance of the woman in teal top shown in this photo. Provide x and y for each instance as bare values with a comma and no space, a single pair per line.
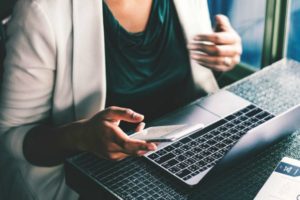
148,71
53,97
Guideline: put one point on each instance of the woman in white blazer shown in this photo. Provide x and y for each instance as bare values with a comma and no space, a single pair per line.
54,87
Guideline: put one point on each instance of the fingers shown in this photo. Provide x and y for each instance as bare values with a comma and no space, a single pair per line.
220,50
116,114
119,146
131,146
109,141
221,64
114,148
215,50
140,127
219,38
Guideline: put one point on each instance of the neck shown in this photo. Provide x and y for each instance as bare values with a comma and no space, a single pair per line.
131,14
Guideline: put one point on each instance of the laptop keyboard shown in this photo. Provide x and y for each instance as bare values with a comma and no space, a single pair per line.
131,179
200,151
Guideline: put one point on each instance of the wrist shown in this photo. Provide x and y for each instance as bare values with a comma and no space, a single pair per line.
72,137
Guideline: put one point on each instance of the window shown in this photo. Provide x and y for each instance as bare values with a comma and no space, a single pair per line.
293,47
248,19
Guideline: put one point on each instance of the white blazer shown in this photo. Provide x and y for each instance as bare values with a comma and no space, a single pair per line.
55,71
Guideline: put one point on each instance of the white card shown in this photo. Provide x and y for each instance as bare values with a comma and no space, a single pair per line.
284,182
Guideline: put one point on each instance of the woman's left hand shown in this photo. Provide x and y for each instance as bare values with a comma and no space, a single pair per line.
219,51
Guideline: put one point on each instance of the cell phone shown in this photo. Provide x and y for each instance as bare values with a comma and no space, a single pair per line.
168,133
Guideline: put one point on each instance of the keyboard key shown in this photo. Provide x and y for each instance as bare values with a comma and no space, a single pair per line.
219,138
164,158
200,164
181,158
170,163
230,117
185,140
213,126
268,117
262,115
207,136
208,159
196,135
240,127
204,146
190,161
212,142
153,156
235,137
193,143
253,112
205,152
193,168
174,170
228,133
227,141
185,147
223,128
195,173
198,157
161,152
251,107
182,165
177,144
217,155
169,148
188,154
196,150
177,151
200,140
220,145
183,173
213,149
229,125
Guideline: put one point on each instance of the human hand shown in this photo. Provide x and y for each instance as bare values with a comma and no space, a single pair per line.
105,138
219,51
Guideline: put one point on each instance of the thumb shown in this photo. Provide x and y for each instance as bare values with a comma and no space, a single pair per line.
222,23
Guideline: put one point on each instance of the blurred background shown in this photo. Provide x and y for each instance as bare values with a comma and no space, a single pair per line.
248,17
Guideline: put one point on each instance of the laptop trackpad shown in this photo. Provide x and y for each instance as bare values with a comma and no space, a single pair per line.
192,114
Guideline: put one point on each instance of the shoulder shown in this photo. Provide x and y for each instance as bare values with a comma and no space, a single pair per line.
54,11
46,17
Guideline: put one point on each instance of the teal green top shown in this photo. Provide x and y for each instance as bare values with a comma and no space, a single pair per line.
149,71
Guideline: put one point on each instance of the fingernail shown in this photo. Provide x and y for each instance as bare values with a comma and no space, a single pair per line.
141,153
152,147
137,116
194,56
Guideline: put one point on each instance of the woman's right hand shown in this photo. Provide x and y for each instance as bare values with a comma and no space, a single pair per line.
102,135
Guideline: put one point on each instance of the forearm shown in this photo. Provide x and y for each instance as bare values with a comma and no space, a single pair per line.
48,146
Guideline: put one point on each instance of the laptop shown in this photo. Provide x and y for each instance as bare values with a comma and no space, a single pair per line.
233,129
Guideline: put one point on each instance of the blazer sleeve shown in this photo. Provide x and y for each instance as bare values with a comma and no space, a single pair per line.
29,73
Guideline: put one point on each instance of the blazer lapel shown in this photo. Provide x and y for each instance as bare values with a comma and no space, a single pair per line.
89,76
194,19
